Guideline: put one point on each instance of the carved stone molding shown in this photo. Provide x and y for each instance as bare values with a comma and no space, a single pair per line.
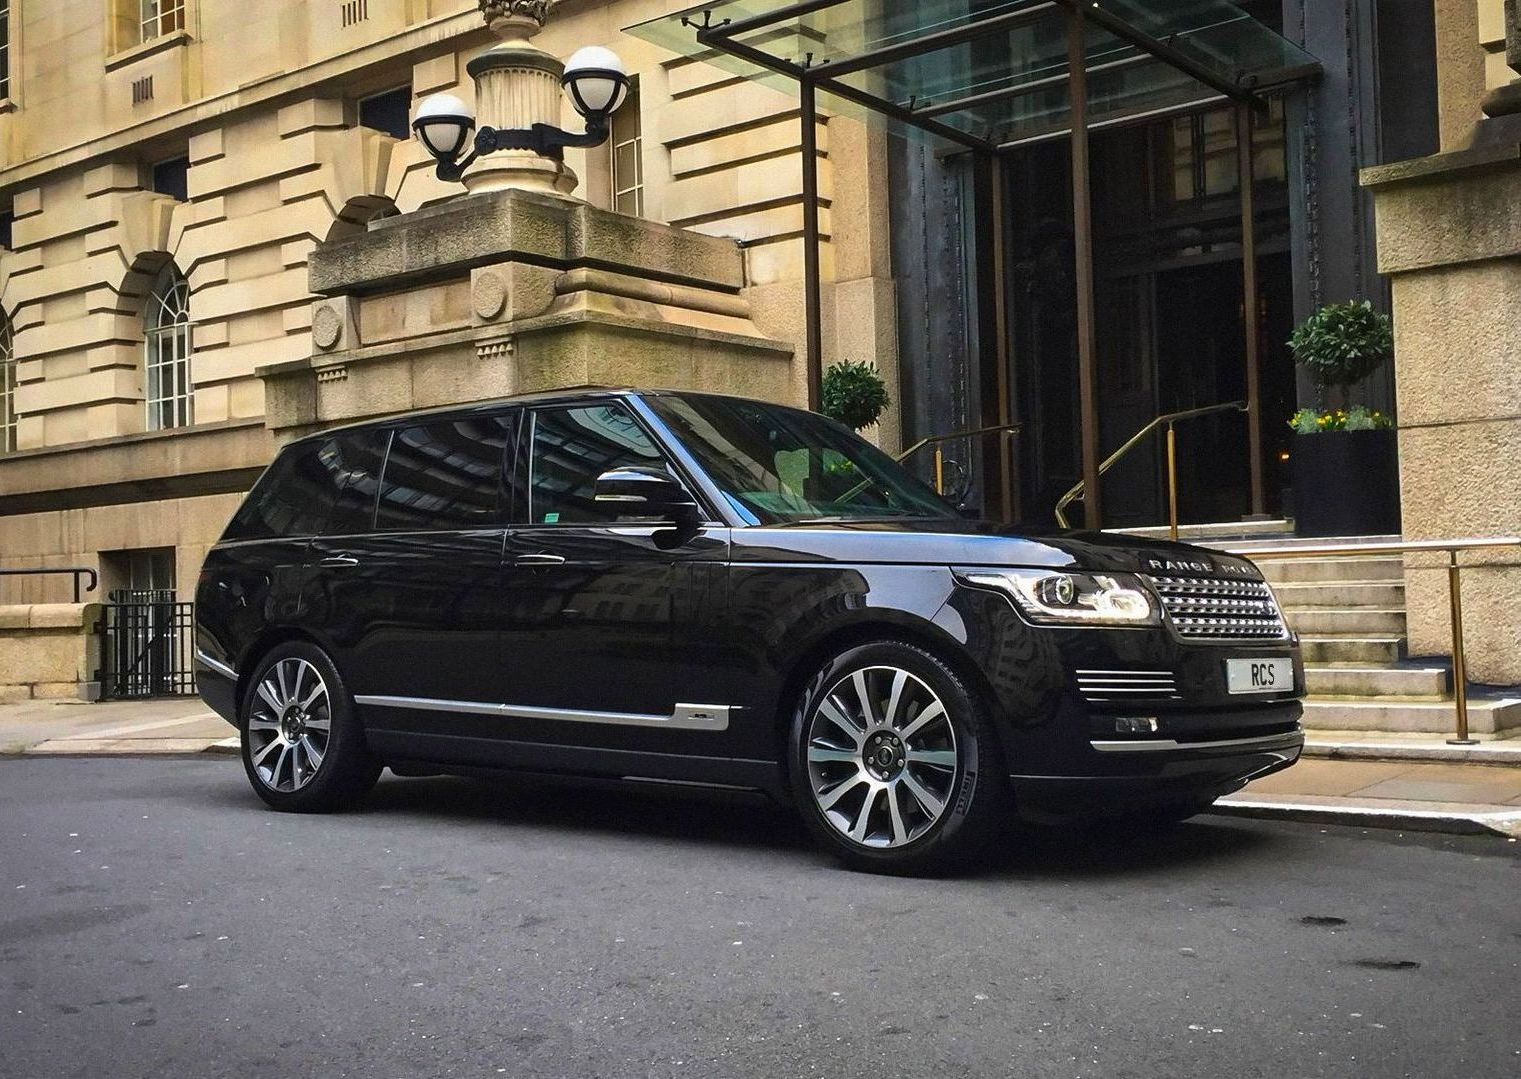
501,14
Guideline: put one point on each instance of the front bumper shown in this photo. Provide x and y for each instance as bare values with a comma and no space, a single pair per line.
1156,771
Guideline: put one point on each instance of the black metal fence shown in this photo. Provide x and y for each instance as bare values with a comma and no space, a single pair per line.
149,645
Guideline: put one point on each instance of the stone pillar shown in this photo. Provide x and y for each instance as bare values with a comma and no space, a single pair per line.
517,85
1505,99
515,291
1449,235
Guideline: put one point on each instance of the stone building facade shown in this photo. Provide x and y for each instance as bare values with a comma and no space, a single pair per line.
169,170
1449,237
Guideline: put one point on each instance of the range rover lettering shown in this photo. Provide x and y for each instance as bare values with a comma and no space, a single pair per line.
709,590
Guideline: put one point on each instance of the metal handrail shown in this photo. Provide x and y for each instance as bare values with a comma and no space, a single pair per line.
1451,548
1010,430
77,571
1136,439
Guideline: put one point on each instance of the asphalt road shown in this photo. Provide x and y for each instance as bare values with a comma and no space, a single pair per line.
156,920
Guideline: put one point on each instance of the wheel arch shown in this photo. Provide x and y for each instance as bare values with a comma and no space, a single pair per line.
914,632
260,647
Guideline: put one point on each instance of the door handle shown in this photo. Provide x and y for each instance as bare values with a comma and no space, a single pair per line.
338,561
543,558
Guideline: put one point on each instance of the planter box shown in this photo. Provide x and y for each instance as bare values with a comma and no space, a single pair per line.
1346,483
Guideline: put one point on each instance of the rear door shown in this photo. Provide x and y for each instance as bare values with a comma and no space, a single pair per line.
414,602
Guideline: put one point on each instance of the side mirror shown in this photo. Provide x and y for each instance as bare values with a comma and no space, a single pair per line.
646,492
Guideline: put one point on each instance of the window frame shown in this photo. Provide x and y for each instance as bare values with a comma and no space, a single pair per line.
7,50
8,416
161,10
178,335
632,106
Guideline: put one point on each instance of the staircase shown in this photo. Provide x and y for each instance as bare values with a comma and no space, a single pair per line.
1350,617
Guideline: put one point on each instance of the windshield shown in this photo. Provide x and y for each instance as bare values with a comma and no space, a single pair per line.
776,465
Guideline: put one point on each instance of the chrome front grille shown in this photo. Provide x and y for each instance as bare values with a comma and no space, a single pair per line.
1220,609
1101,687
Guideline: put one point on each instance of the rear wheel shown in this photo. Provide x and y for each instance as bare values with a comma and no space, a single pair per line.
894,766
303,748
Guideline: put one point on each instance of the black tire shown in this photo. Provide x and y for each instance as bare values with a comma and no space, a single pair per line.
280,767
901,834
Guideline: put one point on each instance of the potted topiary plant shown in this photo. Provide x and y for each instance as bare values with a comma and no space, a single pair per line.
1345,462
854,394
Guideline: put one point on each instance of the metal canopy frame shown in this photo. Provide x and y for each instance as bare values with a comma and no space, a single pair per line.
814,78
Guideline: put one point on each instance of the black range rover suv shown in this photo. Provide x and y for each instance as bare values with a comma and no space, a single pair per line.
711,590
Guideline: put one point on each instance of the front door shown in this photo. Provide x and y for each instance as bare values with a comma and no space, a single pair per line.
610,619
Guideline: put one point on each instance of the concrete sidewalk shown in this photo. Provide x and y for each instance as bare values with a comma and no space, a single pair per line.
173,725
1394,783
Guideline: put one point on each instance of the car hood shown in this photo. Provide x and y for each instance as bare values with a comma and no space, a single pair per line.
957,542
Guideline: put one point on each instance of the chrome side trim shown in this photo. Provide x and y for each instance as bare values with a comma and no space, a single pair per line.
687,717
216,665
1159,744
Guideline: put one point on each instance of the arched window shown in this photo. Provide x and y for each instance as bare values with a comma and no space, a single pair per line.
7,387
166,326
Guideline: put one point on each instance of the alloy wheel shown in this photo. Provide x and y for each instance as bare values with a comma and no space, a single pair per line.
882,758
290,725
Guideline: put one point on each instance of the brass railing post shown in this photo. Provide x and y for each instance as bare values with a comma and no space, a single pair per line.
1459,660
1172,481
940,468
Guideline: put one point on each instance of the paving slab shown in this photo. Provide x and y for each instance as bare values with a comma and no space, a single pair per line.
162,725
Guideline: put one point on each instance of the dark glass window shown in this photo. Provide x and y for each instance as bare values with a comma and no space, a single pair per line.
390,112
571,448
356,459
172,178
445,475
293,496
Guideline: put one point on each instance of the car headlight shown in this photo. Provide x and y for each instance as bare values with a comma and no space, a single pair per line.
1055,597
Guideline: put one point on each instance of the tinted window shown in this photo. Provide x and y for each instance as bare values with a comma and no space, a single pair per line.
571,448
444,475
357,459
292,497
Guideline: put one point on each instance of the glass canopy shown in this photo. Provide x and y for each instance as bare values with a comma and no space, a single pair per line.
990,74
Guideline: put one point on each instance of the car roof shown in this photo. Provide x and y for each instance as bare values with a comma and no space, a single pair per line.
567,395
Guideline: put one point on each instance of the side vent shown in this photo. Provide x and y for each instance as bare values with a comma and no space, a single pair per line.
355,11
142,89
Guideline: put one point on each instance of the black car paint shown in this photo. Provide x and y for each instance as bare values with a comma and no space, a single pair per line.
638,619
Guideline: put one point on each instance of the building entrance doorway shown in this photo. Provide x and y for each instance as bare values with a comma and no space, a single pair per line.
1170,319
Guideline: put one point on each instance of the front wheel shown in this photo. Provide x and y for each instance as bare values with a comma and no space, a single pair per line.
303,748
894,765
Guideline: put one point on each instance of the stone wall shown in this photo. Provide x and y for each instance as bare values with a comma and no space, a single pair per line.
49,650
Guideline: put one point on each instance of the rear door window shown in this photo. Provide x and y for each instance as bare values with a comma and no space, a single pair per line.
356,458
445,475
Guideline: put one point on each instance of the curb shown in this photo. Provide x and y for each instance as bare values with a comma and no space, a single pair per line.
1456,821
129,747
1490,753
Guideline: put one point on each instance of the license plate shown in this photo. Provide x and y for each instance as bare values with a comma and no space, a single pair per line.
1259,675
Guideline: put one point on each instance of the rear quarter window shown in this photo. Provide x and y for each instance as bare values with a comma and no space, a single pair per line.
298,495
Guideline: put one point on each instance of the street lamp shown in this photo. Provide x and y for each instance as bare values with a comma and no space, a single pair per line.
594,79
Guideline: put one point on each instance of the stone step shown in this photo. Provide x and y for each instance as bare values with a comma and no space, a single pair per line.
1279,543
1355,651
1238,532
1433,683
1347,622
1486,715
1303,595
1341,570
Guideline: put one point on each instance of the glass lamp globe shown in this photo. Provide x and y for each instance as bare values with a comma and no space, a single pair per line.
596,81
443,125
